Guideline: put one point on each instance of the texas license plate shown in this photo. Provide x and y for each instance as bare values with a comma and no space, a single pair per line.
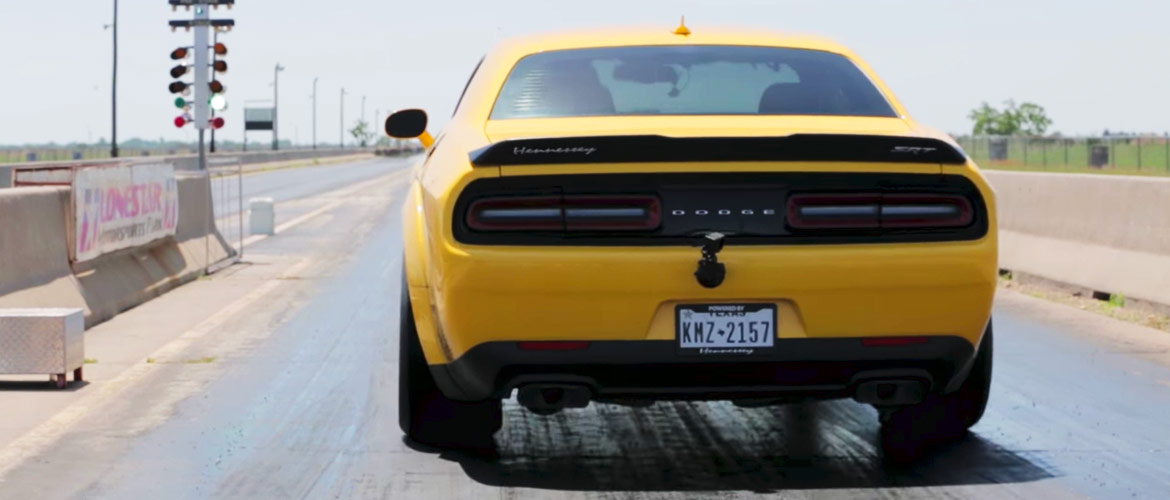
724,328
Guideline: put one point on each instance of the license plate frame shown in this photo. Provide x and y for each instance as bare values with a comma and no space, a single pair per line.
715,336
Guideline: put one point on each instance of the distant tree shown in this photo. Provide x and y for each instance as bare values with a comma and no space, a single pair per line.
361,132
1023,119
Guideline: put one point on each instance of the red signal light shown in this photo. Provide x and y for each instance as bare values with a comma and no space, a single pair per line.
216,123
179,54
219,66
180,121
219,49
178,71
216,87
177,87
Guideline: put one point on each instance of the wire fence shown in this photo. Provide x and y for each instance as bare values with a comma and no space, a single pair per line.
1142,155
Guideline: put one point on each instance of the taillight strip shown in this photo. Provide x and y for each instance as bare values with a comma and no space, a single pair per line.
568,213
605,212
840,211
514,213
874,210
921,210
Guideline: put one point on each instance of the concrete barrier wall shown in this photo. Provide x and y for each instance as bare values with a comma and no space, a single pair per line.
1107,233
34,253
34,265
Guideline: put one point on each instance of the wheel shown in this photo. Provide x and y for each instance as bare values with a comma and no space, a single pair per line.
77,375
908,430
59,379
427,416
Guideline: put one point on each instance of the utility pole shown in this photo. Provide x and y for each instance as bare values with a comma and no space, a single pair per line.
314,112
342,143
202,85
275,103
114,91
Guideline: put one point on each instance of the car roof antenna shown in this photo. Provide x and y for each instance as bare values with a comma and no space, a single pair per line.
682,29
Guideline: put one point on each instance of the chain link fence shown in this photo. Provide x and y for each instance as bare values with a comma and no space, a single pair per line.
225,180
1148,155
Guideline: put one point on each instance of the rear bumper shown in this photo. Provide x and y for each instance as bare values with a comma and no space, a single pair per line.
653,369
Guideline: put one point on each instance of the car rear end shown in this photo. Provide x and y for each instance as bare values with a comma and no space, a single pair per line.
858,255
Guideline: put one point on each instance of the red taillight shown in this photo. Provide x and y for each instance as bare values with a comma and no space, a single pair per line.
553,346
817,211
603,213
872,210
537,213
893,341
571,213
925,210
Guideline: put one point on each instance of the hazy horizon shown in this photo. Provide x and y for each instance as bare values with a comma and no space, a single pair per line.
1093,67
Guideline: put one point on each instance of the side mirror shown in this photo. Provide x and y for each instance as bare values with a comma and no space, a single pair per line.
407,124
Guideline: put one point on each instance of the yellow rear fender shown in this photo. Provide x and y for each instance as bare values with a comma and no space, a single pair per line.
415,259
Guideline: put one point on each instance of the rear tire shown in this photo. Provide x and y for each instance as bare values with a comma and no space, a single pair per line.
907,431
427,416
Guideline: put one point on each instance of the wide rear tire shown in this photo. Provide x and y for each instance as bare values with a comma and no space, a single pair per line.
425,415
908,431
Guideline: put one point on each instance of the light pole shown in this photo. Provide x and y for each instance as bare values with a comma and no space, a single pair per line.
314,112
342,143
114,90
275,103
363,119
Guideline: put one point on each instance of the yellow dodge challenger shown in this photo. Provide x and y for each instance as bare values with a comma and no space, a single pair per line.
631,216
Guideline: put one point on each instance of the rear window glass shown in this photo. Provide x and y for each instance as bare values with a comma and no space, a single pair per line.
687,80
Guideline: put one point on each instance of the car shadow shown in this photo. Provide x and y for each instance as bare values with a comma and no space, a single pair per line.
720,447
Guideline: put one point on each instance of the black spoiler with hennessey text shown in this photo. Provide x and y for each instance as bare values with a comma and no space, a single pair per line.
657,148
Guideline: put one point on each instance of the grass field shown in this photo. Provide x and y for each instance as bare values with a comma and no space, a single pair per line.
1126,156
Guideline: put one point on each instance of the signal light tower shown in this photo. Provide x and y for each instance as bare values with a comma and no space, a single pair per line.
198,109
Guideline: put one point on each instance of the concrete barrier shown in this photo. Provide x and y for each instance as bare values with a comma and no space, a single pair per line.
1102,232
34,258
36,229
34,251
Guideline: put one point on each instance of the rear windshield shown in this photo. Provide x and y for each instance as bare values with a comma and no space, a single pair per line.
687,80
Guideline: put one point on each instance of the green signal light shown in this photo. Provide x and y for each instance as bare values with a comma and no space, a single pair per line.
180,102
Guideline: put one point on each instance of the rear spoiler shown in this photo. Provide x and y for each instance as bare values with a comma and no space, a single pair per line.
657,148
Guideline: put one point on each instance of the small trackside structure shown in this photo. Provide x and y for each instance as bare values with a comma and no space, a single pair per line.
42,341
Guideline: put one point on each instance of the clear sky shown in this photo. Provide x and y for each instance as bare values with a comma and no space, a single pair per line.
1092,64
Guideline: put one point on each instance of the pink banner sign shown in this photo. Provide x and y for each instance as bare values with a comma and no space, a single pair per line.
123,206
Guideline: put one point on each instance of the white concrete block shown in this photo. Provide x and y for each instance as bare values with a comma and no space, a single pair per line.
263,216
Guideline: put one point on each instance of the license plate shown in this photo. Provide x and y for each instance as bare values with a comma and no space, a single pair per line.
724,328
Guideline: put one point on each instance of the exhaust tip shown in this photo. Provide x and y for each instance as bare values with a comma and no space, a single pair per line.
547,399
890,392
